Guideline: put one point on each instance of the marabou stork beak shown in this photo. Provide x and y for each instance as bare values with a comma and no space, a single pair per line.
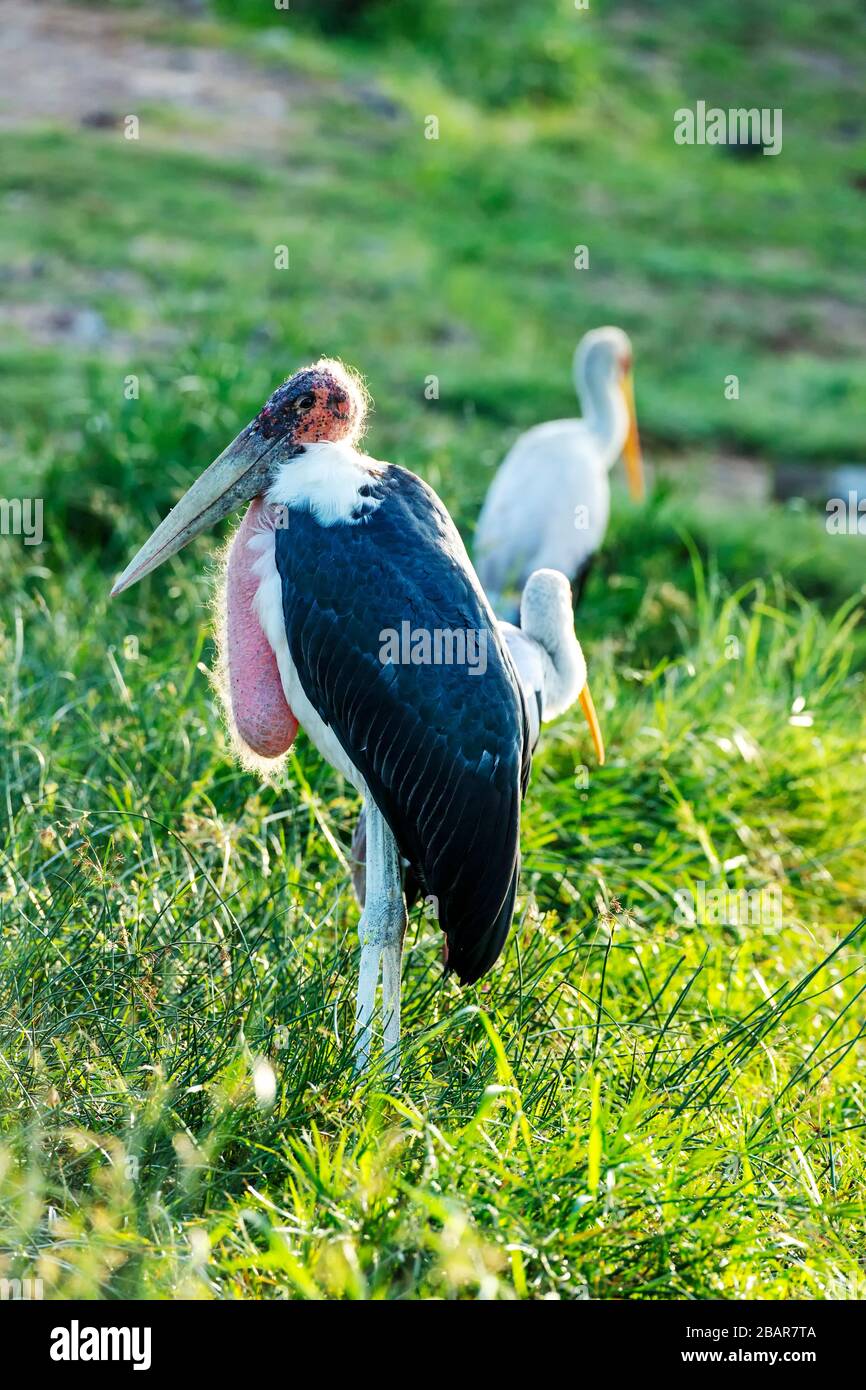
239,474
631,449
591,718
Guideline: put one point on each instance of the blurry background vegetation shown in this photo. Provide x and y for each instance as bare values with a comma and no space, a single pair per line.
647,1107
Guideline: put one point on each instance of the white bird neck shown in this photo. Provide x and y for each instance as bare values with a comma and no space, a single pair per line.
603,403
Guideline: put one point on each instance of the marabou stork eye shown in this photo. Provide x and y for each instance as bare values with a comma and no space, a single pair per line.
307,401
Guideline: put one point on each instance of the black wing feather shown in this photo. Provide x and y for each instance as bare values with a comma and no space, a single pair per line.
444,753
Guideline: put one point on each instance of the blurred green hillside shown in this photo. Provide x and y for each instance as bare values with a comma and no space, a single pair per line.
452,257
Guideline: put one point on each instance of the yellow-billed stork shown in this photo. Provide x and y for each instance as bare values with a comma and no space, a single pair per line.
549,503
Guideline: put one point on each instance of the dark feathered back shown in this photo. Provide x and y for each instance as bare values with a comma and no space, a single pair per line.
443,752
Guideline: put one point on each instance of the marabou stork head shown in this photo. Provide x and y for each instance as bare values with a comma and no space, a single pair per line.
326,401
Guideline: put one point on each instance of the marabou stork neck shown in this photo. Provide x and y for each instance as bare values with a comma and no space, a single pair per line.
549,503
336,550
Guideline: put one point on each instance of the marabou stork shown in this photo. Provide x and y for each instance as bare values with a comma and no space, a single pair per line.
336,550
552,672
549,503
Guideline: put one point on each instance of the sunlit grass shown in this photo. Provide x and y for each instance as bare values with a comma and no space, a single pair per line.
633,1104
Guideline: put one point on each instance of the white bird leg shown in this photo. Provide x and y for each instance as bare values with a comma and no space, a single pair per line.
368,975
381,930
392,962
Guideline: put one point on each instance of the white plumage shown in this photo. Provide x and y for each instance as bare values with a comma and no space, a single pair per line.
326,480
544,649
549,504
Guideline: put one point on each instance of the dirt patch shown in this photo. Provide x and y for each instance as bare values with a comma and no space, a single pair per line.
730,477
88,67
79,327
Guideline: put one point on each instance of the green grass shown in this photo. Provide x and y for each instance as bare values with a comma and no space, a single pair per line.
633,1104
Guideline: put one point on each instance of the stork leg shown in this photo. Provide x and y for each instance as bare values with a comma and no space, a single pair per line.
381,930
392,964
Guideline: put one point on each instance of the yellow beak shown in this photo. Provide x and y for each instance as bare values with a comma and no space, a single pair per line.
631,449
591,718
